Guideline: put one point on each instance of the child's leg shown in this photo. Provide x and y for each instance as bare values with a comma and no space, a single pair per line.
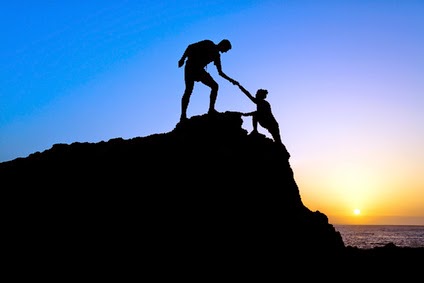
275,132
254,124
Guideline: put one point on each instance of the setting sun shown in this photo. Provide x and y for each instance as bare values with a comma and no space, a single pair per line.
356,211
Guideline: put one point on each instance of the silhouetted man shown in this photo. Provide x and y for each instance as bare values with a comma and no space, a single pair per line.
198,56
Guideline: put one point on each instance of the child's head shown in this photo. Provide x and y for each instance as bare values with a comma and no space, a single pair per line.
261,93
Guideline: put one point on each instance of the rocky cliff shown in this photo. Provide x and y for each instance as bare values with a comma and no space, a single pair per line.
204,189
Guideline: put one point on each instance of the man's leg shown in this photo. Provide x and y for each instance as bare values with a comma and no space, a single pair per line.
189,84
213,96
210,82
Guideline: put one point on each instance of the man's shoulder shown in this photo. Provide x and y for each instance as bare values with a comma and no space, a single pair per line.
206,43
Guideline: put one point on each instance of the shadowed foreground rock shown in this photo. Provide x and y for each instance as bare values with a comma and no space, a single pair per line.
204,191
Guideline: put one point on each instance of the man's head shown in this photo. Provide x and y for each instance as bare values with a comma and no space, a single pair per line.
224,45
261,93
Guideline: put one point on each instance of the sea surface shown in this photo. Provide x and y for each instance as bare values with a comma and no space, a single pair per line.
371,236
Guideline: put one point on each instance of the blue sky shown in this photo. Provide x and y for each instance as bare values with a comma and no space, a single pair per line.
345,81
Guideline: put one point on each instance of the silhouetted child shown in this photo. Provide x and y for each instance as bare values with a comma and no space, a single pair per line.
263,114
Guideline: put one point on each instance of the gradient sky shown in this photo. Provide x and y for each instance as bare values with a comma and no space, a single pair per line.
345,80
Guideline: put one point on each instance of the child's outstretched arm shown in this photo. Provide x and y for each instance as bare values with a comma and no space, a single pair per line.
245,91
248,113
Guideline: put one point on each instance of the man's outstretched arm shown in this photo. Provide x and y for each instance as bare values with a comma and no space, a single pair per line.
222,74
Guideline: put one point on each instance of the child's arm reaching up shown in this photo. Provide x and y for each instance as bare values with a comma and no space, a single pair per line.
246,92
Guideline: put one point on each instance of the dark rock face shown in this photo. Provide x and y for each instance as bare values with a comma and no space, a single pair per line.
206,189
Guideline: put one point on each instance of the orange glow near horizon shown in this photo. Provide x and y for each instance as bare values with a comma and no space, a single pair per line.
381,198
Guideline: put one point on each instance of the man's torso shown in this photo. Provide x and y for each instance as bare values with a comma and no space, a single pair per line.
202,53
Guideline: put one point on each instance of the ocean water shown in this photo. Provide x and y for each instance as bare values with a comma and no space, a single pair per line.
370,236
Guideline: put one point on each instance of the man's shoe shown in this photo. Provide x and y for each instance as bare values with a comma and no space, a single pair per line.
212,112
254,133
183,118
